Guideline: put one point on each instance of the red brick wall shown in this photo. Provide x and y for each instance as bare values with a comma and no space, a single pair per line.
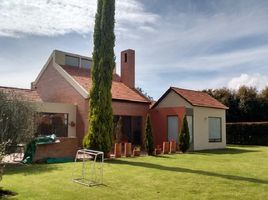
128,68
159,122
52,87
66,148
131,109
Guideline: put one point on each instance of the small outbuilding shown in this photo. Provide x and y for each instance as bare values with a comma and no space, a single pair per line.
205,117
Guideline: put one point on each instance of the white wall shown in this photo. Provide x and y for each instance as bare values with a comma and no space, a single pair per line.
201,128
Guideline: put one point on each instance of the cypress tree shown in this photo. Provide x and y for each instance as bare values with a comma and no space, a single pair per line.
149,141
184,136
99,136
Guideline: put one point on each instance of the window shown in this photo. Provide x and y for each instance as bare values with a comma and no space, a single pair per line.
53,123
125,57
85,63
72,61
190,126
214,124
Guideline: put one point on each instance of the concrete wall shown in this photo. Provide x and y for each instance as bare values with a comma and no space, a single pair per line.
172,99
201,128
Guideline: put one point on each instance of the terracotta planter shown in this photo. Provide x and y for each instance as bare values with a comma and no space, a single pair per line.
117,150
136,152
173,146
127,152
157,150
165,147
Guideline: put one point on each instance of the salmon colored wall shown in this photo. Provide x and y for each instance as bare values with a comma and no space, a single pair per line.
159,122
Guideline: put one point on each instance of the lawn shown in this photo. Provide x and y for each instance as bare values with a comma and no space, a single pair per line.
234,173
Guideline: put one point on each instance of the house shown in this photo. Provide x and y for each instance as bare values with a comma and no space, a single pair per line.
205,117
61,95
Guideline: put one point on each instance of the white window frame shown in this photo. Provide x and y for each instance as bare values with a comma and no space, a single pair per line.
209,134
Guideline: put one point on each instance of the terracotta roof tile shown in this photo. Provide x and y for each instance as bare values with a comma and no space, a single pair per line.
27,94
119,90
197,98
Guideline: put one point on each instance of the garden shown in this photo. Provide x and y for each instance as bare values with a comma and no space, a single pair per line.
237,172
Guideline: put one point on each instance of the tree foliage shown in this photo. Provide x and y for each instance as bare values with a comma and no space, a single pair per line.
184,136
16,122
99,136
149,140
245,104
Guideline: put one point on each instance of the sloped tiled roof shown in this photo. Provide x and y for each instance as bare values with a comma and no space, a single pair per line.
27,94
197,98
119,90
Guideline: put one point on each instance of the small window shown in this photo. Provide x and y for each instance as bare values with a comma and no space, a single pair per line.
72,61
53,123
125,57
85,63
214,124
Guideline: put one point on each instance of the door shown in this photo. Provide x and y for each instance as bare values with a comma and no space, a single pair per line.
173,128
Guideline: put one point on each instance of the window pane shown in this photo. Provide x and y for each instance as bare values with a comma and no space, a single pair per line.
214,129
53,123
72,61
173,128
190,125
85,63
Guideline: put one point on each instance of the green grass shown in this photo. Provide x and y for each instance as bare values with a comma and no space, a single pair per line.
234,173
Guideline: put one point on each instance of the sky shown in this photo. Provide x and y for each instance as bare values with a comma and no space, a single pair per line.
194,44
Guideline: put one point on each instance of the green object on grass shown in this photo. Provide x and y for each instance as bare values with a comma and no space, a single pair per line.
59,160
31,147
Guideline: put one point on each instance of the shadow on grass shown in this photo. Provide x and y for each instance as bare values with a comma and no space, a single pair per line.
228,150
5,194
28,169
191,171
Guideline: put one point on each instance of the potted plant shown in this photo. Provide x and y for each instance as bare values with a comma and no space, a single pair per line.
165,147
127,149
137,151
157,150
173,145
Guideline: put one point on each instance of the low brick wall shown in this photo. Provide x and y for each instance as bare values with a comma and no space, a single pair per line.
67,147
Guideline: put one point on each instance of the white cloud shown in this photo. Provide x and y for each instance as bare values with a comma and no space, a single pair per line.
56,17
254,80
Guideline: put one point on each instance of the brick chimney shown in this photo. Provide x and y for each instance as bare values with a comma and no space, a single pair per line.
128,67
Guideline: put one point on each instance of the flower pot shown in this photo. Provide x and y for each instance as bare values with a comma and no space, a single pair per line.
173,146
127,152
117,150
165,147
136,152
157,150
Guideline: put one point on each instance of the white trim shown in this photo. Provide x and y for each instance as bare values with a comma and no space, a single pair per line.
70,80
52,56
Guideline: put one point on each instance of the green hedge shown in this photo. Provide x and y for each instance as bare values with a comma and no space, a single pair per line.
248,134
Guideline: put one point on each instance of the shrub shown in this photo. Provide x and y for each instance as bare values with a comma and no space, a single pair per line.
184,136
247,133
149,140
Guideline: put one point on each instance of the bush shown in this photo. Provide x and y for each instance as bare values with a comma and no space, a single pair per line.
149,141
184,136
247,134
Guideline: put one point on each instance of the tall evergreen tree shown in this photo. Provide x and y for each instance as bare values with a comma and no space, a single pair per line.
149,140
184,136
99,136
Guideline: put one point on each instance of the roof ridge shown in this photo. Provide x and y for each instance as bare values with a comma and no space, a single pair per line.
172,87
16,88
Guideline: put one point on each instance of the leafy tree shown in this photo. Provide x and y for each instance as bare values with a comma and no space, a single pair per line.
184,136
16,122
99,136
149,140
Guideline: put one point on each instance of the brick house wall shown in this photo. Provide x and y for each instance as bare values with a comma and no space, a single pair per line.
52,87
159,122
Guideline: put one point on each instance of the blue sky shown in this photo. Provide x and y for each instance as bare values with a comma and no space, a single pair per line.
194,44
